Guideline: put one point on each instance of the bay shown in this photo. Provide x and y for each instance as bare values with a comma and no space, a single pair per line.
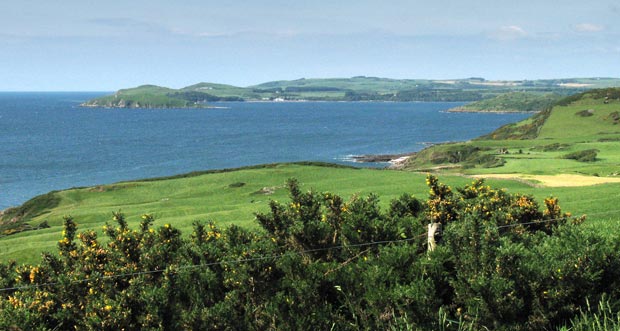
47,142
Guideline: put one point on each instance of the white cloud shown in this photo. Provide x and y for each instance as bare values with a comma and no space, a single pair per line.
210,34
252,34
588,27
508,32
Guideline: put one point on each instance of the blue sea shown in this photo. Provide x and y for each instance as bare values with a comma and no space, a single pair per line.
48,142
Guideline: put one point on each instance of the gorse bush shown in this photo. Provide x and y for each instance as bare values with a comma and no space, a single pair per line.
587,155
321,262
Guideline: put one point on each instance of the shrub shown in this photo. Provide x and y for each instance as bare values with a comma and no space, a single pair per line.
323,262
585,113
587,155
613,117
550,148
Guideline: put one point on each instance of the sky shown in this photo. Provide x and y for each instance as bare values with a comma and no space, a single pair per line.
90,45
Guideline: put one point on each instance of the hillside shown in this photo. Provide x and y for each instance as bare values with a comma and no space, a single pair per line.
151,96
580,135
340,89
512,102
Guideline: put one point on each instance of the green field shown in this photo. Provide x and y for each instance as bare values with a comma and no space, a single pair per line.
222,198
540,148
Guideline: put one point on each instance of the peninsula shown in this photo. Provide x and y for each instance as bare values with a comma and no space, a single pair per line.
360,88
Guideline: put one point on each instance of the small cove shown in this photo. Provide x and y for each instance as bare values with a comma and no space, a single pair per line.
49,143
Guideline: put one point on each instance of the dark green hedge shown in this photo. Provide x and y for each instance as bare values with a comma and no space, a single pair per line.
323,263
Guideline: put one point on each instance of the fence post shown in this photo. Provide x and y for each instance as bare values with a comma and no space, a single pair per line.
433,229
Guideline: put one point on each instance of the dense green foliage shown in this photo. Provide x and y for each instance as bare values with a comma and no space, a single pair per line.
512,102
527,129
468,156
608,94
321,262
588,155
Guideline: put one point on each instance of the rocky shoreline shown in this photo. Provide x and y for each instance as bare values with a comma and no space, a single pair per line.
396,161
479,110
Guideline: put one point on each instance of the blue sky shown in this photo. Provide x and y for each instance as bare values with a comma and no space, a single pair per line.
90,45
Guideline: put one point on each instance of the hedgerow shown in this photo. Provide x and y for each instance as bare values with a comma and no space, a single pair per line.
321,262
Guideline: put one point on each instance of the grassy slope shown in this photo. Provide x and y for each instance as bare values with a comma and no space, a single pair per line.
181,201
563,127
141,96
512,102
222,90
360,84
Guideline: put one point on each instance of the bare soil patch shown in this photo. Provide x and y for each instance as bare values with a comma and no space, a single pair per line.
561,180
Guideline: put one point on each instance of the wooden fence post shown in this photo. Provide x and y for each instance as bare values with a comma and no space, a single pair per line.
433,229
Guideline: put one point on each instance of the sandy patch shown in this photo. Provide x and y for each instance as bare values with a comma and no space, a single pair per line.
561,180
484,83
451,82
495,83
574,85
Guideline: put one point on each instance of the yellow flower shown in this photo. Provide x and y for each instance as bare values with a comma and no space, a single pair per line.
33,273
15,302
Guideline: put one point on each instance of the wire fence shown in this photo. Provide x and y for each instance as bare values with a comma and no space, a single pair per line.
273,256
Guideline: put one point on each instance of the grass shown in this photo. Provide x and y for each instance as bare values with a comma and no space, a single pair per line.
220,197
563,141
601,318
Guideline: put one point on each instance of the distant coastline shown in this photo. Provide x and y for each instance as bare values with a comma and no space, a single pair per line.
512,95
495,111
511,102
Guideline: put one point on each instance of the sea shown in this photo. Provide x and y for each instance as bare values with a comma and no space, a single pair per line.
48,142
